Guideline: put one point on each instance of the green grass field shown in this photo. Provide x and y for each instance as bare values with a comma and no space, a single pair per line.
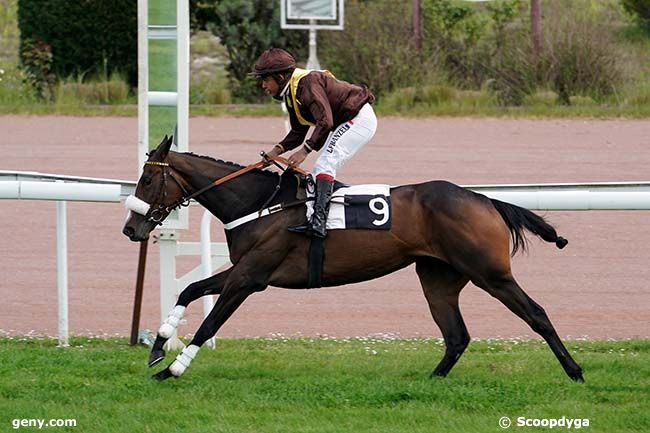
323,385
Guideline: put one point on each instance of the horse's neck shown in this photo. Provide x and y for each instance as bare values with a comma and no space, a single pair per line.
229,200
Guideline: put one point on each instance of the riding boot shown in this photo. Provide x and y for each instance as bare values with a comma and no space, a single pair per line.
324,189
317,226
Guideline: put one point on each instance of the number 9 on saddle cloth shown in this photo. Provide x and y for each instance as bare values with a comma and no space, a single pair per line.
357,207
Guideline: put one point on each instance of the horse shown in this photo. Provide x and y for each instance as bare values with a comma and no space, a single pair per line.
452,234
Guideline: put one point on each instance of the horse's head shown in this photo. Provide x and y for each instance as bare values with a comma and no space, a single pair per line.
157,193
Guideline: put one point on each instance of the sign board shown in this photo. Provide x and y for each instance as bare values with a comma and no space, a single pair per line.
311,9
311,14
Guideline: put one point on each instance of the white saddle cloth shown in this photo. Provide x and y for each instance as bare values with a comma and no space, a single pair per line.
368,207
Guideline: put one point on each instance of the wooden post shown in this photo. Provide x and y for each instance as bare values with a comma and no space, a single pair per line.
139,288
417,24
536,26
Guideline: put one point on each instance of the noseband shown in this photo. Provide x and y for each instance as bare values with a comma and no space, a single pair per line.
158,215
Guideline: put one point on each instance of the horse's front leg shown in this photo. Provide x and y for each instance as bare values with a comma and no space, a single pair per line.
229,300
209,286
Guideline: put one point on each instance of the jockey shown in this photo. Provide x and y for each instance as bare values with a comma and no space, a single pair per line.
340,113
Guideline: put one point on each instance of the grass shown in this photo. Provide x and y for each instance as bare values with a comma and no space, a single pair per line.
323,385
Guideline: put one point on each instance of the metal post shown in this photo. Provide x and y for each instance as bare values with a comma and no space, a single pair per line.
206,263
312,62
62,271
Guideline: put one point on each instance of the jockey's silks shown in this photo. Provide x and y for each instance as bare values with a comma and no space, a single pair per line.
293,103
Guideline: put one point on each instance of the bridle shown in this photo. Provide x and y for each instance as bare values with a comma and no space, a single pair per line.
158,215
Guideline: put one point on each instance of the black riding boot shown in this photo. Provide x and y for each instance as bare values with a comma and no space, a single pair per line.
318,225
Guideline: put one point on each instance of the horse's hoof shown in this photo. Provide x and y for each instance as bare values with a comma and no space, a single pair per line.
577,377
162,375
155,357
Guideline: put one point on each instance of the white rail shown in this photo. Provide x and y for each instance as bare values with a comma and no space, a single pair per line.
21,185
572,196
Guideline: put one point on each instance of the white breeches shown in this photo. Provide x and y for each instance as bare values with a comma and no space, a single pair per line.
345,141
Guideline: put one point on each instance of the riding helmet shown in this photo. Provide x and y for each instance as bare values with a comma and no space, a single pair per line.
272,61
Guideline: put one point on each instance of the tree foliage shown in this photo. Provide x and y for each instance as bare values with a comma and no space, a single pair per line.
246,28
86,37
640,9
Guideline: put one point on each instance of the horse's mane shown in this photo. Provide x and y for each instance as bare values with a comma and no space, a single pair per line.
234,165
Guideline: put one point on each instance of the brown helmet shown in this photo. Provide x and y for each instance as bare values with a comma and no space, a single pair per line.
272,61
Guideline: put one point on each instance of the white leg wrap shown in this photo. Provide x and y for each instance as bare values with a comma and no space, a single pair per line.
168,327
183,360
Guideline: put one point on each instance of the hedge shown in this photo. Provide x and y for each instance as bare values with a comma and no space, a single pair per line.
86,37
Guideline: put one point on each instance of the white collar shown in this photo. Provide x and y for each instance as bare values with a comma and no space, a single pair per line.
284,91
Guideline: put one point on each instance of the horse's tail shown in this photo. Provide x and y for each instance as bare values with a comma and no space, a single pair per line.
517,218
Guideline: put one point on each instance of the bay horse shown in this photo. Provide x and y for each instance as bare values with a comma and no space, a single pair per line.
453,236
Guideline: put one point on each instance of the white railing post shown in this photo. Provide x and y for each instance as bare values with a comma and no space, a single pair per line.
206,263
168,241
62,271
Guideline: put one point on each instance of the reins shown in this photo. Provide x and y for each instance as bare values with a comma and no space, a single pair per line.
185,200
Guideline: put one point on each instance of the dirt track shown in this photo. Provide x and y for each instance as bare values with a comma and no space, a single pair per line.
596,287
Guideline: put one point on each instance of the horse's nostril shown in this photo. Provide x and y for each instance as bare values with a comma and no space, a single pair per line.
128,232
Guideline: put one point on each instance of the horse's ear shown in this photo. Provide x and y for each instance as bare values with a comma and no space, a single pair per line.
163,148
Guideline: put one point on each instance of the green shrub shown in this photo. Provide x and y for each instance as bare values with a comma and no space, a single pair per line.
453,31
14,87
376,48
92,36
9,36
407,98
246,28
115,90
209,91
545,98
581,56
640,9
400,100
37,65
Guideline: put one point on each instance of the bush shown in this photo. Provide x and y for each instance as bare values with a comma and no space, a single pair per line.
580,55
93,36
454,31
376,48
14,87
115,90
640,9
247,28
8,30
37,65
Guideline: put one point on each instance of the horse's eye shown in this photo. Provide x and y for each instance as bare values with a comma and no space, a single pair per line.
146,180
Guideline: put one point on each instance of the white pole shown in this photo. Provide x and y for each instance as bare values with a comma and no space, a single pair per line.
206,263
182,76
143,83
312,62
62,271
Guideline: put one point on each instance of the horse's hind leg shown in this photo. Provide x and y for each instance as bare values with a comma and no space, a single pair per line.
442,285
511,294
209,286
